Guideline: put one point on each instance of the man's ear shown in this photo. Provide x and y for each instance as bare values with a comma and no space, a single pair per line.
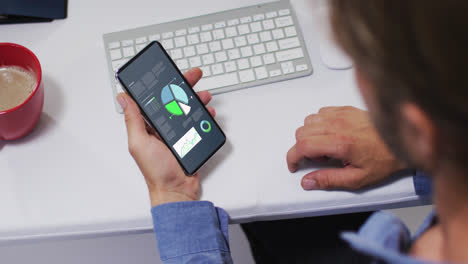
420,136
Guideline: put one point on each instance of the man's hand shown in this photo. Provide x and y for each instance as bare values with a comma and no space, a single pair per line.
165,178
346,134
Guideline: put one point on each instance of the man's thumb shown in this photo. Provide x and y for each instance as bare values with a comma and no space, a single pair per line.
339,178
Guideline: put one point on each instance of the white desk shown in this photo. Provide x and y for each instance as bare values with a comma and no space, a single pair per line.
73,175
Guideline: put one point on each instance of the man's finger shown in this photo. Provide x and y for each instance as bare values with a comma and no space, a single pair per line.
340,178
133,119
212,111
329,109
193,76
204,96
312,130
316,147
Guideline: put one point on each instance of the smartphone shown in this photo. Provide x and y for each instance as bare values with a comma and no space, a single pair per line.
170,105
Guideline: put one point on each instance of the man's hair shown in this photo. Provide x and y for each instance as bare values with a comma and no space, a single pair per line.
413,51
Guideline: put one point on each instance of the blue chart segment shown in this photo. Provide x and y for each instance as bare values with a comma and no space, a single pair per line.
175,100
179,93
166,95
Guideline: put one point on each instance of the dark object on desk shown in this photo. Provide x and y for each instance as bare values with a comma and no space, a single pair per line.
28,11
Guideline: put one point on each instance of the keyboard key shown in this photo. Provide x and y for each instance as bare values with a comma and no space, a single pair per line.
233,54
167,35
207,27
301,67
240,41
268,24
246,20
127,43
230,66
289,54
287,67
180,42
195,61
115,54
215,46
284,21
271,14
167,44
278,33
256,26
218,34
155,37
217,81
176,54
141,40
272,46
284,12
182,64
243,29
217,69
289,43
128,52
114,45
256,61
259,17
259,49
189,51
208,59
202,48
243,64
253,38
193,30
221,56
246,75
275,73
233,22
261,73
193,39
206,36
231,32
220,24
265,36
290,31
246,51
269,59
206,71
181,32
228,44
140,47
118,63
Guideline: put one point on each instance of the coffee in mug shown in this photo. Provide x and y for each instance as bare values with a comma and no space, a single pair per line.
21,91
16,85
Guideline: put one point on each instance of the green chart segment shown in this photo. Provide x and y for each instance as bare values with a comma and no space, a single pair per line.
174,108
175,100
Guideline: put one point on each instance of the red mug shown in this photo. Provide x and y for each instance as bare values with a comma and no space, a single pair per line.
18,121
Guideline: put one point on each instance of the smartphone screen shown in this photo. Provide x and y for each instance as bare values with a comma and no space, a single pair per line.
171,106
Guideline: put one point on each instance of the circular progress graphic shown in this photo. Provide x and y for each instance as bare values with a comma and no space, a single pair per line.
175,100
205,126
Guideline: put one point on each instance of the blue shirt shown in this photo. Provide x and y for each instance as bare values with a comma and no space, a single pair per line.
197,232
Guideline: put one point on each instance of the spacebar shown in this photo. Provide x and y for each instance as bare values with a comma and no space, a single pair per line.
208,83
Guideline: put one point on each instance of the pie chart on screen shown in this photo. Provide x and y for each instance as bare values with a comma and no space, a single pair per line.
175,100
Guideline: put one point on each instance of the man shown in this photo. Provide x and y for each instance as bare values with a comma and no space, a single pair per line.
409,61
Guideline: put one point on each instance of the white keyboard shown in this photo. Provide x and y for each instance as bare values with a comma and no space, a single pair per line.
235,49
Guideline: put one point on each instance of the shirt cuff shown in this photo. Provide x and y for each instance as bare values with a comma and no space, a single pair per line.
185,228
422,184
